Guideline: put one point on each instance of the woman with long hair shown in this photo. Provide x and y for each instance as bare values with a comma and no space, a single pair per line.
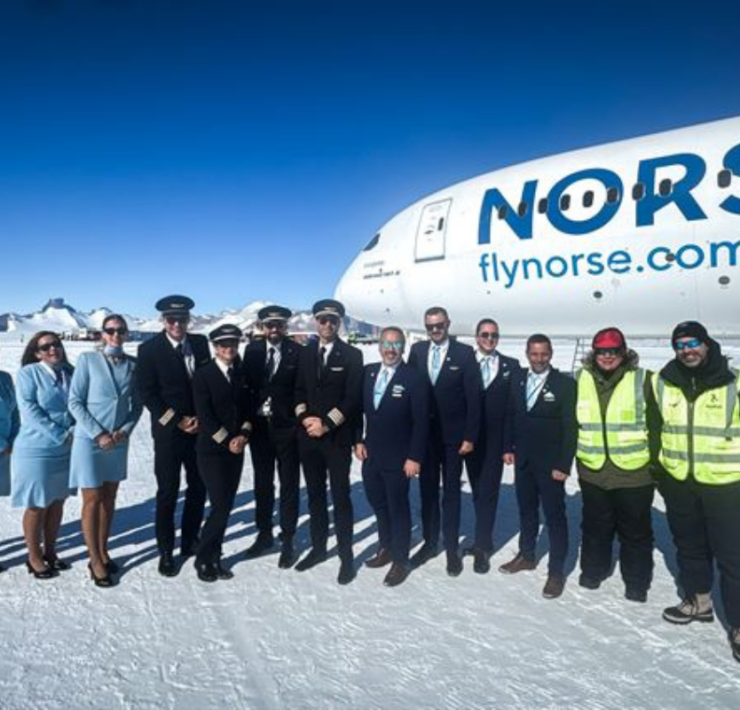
41,451
9,426
103,400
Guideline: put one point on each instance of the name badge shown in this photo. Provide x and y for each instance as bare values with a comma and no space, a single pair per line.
548,397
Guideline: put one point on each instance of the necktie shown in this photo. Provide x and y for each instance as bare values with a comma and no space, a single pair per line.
486,371
533,388
321,363
230,373
270,365
380,386
183,352
436,363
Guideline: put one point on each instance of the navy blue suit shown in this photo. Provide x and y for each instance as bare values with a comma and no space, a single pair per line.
394,432
543,439
454,417
485,465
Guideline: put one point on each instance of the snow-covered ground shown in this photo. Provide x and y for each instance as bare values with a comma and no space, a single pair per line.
274,638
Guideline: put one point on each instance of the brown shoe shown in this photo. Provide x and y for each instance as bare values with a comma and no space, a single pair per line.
519,564
554,586
396,575
381,558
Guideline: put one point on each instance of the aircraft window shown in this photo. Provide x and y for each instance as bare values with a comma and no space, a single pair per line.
440,224
598,295
565,203
502,212
588,198
522,209
724,280
612,195
638,191
372,243
724,178
542,206
665,187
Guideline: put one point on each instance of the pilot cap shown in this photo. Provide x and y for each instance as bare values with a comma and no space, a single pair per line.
175,305
274,313
612,338
225,332
690,329
328,307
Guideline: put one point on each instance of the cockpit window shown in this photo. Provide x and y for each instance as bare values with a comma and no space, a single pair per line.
372,243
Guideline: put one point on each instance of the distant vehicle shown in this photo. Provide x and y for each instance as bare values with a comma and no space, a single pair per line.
640,233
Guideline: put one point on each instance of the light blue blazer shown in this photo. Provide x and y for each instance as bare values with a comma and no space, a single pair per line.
99,401
46,421
10,422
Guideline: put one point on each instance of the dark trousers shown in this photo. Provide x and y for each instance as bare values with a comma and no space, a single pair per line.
169,457
322,457
388,494
705,523
443,462
269,446
221,473
535,486
485,467
626,512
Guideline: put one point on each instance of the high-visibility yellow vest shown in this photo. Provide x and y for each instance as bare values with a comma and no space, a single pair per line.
700,438
622,435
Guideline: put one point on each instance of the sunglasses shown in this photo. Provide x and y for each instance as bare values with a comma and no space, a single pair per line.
435,326
688,344
48,346
488,336
274,325
227,343
391,345
327,320
174,320
608,352
115,331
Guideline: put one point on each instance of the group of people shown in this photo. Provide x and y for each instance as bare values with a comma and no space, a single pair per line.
448,407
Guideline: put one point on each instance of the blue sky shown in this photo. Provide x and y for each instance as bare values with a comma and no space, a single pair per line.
237,151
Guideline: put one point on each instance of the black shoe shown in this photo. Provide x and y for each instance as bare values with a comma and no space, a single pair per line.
222,572
46,573
381,558
454,564
167,565
105,581
57,564
635,594
261,545
346,572
397,574
481,561
313,558
735,643
206,571
425,553
588,582
287,555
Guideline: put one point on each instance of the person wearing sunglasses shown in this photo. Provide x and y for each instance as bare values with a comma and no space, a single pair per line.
485,464
165,368
9,425
613,464
452,373
105,403
395,404
222,407
270,368
328,399
41,451
698,429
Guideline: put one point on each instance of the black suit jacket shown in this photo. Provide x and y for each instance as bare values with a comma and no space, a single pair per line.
398,429
456,409
281,388
495,399
164,383
221,407
336,397
544,437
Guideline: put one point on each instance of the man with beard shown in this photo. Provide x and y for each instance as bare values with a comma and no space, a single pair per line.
697,400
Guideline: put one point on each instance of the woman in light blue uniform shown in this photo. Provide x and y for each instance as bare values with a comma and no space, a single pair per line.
40,460
9,424
104,401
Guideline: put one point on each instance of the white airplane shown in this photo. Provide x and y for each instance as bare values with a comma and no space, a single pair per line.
641,234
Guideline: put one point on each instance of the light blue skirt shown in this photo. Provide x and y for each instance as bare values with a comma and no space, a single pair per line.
37,479
92,466
4,474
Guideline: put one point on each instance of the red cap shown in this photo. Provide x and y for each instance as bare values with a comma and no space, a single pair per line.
609,338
